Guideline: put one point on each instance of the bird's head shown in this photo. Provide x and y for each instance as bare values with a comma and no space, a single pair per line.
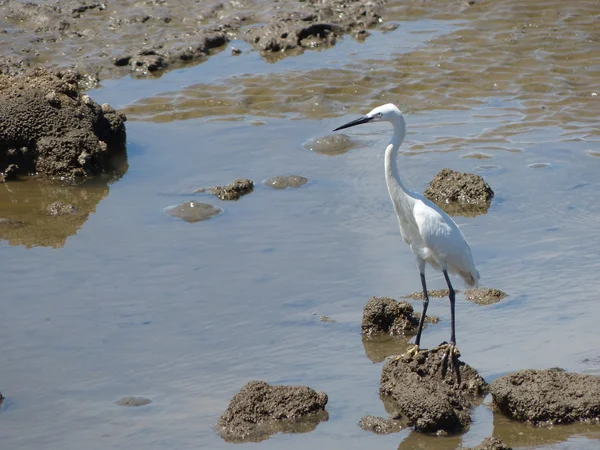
388,113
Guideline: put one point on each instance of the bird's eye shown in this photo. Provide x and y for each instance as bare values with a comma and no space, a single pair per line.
379,115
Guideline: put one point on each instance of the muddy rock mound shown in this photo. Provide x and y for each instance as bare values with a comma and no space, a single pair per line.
462,194
421,390
386,315
260,410
547,396
318,23
50,128
491,443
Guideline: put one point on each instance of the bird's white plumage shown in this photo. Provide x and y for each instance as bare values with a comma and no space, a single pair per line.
432,235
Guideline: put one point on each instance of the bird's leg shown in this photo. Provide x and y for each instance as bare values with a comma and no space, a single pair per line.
451,354
415,349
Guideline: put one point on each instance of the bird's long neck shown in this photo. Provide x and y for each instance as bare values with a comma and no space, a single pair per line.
398,193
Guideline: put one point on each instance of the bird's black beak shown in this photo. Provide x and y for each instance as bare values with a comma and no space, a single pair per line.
363,119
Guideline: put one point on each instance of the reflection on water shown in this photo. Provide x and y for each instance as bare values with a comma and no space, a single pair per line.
377,348
29,213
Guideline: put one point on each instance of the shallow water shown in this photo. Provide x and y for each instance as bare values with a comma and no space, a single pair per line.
130,301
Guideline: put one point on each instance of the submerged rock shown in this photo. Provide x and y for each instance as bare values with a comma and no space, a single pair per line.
50,128
386,315
286,181
491,443
418,390
233,191
332,145
547,396
193,212
458,193
379,425
134,401
260,410
61,209
435,293
484,296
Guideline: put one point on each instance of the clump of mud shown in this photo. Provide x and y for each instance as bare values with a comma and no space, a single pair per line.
419,390
317,24
50,128
193,212
286,181
542,397
484,296
379,425
386,315
460,194
260,410
233,191
491,443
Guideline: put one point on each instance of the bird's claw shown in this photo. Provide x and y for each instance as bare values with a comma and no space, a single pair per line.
450,360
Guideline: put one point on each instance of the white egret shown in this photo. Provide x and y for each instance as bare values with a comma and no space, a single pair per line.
432,235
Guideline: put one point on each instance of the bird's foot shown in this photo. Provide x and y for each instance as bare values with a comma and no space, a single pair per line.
450,360
409,353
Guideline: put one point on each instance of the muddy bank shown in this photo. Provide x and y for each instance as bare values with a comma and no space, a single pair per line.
547,397
50,128
112,39
260,410
460,194
426,392
491,443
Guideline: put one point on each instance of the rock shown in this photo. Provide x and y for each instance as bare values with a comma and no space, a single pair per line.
260,410
484,296
379,425
47,127
418,390
134,401
287,181
193,212
460,193
232,191
1,399
61,209
386,315
491,443
547,396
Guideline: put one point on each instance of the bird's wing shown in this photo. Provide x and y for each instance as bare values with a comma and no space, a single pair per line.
444,239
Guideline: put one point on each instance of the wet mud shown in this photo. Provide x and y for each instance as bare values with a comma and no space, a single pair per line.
418,390
547,397
460,194
233,191
50,128
435,293
260,410
286,181
115,38
193,212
